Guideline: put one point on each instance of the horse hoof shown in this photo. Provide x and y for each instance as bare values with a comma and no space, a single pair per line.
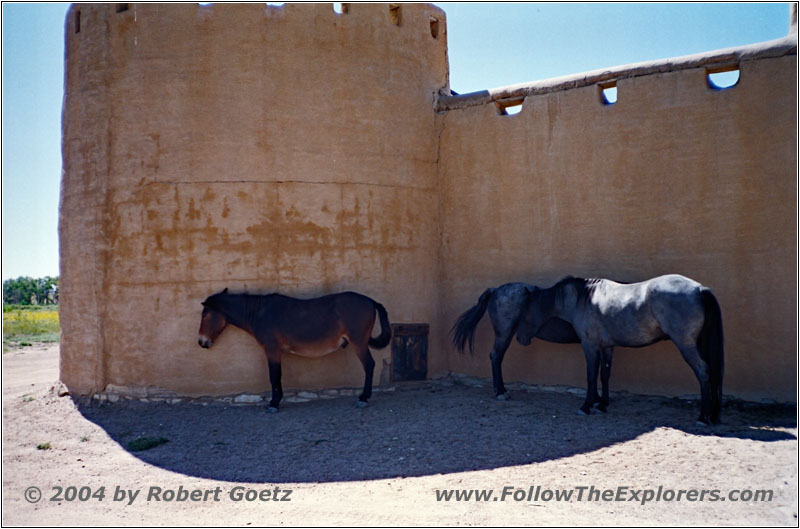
361,404
504,396
272,409
581,412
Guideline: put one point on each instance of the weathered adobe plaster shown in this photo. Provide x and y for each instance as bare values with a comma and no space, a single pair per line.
299,150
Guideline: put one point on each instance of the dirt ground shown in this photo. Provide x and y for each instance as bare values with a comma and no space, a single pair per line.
384,464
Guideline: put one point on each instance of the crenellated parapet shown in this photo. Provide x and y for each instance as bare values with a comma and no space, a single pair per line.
711,62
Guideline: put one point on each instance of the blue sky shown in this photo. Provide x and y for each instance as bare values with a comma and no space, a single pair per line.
490,45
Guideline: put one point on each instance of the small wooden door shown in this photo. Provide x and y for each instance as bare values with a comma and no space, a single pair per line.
409,351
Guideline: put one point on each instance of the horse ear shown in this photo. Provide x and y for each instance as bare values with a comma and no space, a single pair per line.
225,291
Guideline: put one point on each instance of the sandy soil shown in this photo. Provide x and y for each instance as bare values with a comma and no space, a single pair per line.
384,464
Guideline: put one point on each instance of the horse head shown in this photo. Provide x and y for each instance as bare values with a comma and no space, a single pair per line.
537,319
532,316
212,322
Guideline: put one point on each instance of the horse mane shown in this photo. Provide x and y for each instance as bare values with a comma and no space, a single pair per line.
583,288
224,302
216,301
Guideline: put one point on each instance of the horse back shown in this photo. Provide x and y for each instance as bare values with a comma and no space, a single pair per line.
316,326
676,302
639,314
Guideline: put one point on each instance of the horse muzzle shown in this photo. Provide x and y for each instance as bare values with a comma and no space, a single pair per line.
204,342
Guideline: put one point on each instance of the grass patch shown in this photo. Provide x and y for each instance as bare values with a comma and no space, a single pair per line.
44,446
146,443
25,325
10,307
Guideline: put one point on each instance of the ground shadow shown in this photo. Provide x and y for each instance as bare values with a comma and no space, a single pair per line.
426,429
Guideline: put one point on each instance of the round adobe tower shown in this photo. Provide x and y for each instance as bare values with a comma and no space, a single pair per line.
247,146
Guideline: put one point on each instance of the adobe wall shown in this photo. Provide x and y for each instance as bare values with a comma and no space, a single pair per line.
675,177
257,148
298,150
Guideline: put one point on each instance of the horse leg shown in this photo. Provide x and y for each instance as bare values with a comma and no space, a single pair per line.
275,382
592,354
691,354
368,362
496,356
605,374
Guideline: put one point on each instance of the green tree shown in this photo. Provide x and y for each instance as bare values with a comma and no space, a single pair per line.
29,291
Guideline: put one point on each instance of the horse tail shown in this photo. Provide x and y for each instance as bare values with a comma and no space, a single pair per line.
463,331
710,346
386,329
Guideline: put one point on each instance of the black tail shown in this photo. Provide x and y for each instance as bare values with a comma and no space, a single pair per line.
463,331
386,329
710,345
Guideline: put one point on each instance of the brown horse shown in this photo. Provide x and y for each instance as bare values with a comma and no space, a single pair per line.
305,327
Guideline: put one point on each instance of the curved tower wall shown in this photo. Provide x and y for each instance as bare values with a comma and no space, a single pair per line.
258,148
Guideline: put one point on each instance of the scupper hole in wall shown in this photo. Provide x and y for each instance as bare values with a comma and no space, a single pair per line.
121,8
434,27
509,108
608,94
77,21
722,79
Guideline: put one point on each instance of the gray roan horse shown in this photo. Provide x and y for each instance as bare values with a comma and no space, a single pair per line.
600,313
305,327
